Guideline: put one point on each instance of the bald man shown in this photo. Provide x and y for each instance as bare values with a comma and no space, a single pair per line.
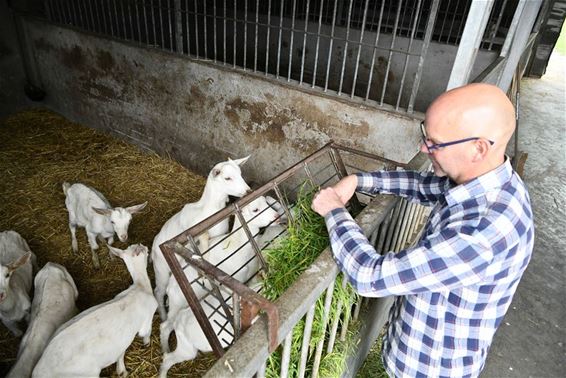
456,284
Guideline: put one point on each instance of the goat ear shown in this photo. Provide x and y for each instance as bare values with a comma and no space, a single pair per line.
115,251
242,160
19,262
106,212
136,208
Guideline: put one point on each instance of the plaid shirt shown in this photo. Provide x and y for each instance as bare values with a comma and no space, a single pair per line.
456,284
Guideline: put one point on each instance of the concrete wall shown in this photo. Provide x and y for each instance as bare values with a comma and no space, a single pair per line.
200,113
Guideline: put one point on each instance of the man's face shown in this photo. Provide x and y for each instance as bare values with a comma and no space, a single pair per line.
446,161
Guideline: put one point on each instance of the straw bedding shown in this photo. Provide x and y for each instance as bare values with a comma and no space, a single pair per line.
39,150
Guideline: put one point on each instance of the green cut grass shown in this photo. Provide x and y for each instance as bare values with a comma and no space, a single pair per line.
307,238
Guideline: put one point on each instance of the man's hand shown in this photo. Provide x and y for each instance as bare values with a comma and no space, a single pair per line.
326,200
345,188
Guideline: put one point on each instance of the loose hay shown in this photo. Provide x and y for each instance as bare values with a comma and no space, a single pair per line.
39,150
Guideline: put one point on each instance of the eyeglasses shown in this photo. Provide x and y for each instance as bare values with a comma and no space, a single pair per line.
436,146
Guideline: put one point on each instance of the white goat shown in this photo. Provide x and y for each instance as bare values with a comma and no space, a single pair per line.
233,253
99,336
191,338
224,180
16,265
88,208
53,304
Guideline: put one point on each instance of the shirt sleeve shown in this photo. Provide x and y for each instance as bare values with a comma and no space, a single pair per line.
421,187
442,261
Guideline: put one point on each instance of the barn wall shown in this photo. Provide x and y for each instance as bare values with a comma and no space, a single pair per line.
199,113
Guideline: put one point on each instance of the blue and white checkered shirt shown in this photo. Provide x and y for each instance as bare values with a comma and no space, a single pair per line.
457,283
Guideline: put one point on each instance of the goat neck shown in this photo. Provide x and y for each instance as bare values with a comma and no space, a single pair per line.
137,266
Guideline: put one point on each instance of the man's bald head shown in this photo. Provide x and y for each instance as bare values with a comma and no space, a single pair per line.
479,111
474,110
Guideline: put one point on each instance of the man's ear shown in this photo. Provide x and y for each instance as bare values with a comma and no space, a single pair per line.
481,149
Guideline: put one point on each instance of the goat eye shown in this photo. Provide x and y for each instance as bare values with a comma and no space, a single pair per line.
256,210
7,275
228,178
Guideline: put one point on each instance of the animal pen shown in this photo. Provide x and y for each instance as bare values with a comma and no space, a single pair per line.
198,80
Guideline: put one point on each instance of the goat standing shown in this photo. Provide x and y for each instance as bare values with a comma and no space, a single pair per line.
88,208
224,180
99,336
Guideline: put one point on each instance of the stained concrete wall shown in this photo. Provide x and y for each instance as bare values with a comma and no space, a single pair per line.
200,113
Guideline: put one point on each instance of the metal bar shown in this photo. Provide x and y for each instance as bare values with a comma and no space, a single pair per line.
95,15
130,20
224,39
144,23
283,202
267,43
187,290
357,308
393,35
256,33
347,315
178,26
454,18
236,314
279,43
468,47
407,224
153,23
188,27
330,47
370,156
345,52
214,28
426,43
91,16
334,328
317,44
497,23
138,19
325,316
291,42
196,27
445,9
528,18
304,43
286,356
400,225
387,246
407,56
235,29
375,50
123,14
383,227
512,28
205,15
251,239
306,340
364,19
245,33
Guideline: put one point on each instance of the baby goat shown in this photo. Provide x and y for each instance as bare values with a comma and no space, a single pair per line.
224,180
53,304
88,208
232,253
99,336
16,262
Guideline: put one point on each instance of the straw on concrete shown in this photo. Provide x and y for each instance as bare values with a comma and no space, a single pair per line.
39,150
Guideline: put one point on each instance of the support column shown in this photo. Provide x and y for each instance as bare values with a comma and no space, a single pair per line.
470,42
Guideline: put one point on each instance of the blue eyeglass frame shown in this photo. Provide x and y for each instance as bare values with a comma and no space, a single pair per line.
437,146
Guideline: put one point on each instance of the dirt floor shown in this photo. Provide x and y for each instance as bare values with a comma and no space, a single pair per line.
39,150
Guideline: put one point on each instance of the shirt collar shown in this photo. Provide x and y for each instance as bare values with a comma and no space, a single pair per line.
480,185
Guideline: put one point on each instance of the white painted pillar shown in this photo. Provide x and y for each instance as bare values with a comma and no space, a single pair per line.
470,42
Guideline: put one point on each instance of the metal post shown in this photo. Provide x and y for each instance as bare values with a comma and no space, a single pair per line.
470,42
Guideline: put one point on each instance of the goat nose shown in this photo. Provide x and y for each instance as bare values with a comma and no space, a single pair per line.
123,237
248,190
2,296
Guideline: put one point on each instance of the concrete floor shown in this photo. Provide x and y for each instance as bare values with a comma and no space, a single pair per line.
531,341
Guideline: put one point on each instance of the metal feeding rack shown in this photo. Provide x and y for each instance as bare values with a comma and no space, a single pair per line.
229,306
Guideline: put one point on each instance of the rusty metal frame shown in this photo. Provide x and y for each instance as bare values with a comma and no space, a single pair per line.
246,302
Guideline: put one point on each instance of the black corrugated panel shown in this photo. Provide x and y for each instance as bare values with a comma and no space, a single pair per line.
548,35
